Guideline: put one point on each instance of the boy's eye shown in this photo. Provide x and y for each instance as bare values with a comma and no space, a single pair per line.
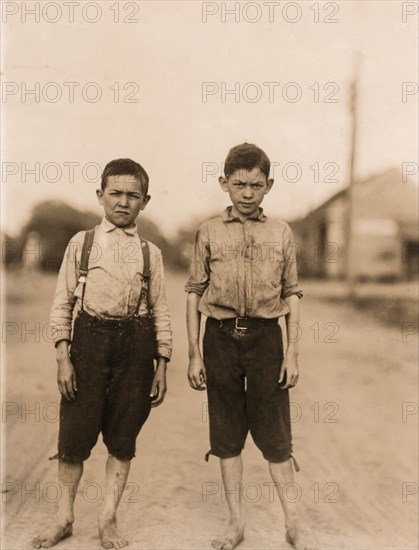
130,195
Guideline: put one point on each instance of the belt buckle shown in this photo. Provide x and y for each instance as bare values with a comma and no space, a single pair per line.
237,324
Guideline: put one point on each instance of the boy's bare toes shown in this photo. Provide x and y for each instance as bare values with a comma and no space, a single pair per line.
217,544
52,535
220,544
232,537
108,533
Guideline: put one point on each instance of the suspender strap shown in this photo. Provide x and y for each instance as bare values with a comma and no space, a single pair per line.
84,262
145,291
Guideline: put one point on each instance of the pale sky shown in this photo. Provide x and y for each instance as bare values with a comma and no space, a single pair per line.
169,53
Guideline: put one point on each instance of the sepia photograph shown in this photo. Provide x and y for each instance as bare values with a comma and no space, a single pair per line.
209,275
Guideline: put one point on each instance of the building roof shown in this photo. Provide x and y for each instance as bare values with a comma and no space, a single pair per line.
382,195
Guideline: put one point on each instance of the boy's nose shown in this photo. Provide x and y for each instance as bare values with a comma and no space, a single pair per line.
123,200
248,191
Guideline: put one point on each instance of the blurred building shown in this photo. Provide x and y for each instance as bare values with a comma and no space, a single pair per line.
385,231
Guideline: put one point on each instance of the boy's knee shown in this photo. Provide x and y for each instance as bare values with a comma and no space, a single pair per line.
118,456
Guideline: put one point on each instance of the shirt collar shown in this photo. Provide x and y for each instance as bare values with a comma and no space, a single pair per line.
108,226
227,216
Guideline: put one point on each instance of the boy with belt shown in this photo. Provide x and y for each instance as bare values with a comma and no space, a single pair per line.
243,277
114,281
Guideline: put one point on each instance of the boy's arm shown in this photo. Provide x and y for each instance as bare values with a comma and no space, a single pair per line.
288,374
196,369
162,328
159,385
61,319
64,300
198,281
291,294
160,307
66,375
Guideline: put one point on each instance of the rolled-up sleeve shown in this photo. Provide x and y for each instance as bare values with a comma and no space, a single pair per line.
160,307
199,273
289,279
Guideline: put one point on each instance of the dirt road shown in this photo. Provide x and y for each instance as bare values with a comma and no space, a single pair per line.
354,425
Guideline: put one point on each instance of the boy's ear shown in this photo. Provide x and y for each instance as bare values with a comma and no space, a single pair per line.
146,200
223,183
99,195
269,184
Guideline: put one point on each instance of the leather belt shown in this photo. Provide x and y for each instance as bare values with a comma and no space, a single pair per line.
244,323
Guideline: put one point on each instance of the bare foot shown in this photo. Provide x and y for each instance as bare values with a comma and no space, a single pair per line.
301,540
52,535
108,533
231,538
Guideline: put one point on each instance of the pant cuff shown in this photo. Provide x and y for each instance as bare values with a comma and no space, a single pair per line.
68,458
221,455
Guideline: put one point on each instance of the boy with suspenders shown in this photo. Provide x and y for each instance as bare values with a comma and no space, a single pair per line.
115,369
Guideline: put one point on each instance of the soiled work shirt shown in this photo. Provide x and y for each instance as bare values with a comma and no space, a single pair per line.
243,268
113,283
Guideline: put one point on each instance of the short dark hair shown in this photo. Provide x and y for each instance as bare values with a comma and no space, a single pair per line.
125,167
246,156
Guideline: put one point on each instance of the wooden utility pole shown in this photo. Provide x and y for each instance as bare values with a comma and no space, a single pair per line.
348,237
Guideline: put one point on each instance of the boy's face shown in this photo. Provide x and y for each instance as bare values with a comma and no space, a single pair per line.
247,189
122,199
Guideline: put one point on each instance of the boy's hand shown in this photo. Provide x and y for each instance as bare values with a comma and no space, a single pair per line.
159,386
197,375
288,373
66,378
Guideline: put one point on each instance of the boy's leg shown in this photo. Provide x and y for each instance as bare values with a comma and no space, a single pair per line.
69,475
227,419
127,407
270,423
282,473
116,479
232,474
80,421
